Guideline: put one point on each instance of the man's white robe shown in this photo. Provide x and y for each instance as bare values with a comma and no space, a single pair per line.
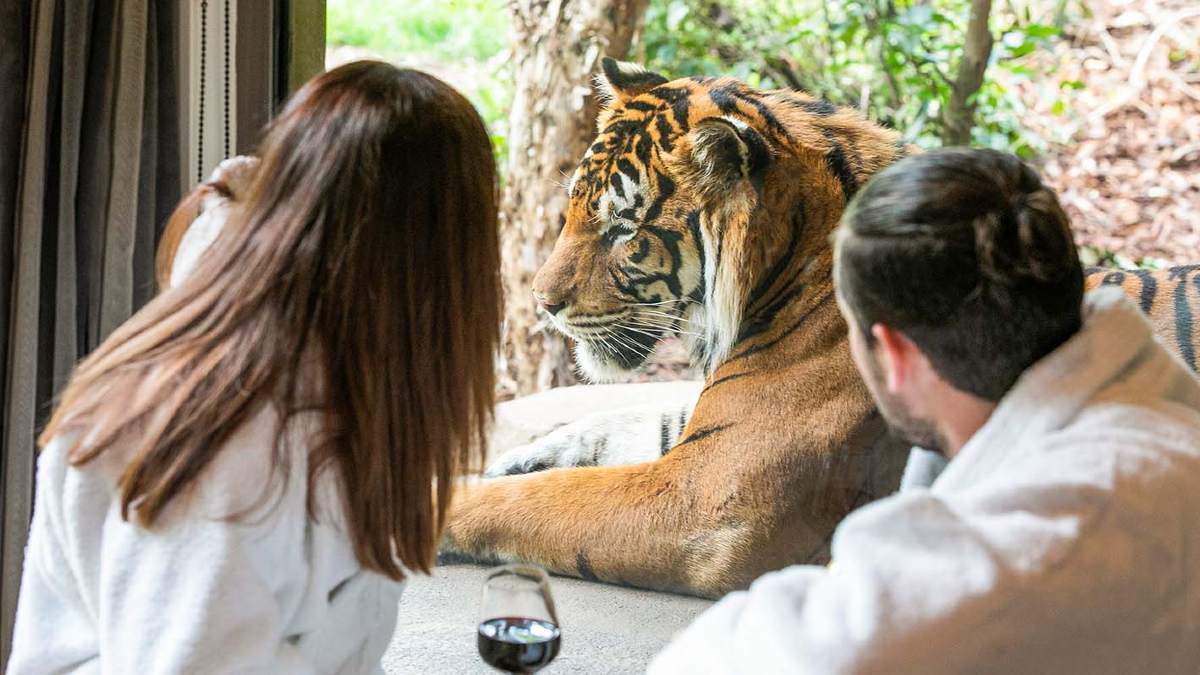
1063,538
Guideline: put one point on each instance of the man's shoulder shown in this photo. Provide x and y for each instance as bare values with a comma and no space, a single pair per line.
1159,425
1144,457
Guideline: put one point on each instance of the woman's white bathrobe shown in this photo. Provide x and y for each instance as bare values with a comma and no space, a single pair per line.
272,592
1063,538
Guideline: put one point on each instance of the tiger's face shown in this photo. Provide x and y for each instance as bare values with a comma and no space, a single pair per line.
629,267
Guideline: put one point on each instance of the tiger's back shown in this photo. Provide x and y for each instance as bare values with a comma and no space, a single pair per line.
1170,298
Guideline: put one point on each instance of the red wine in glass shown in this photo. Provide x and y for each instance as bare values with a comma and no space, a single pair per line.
520,631
518,645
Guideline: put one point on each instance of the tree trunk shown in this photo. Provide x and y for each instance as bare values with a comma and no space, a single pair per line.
557,46
959,114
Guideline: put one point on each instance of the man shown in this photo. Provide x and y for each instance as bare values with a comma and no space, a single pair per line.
1063,536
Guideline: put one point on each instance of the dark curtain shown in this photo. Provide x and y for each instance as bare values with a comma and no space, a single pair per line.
88,173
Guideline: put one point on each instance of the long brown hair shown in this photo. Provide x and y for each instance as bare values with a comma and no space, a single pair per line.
368,243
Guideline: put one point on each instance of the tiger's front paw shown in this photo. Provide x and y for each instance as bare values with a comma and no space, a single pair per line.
545,453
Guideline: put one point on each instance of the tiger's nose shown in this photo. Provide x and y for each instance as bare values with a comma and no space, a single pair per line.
551,305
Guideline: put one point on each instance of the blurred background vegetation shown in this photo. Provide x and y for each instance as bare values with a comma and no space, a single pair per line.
1102,95
895,60
1054,62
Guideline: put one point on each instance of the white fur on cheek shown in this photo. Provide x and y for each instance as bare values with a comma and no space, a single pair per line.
596,371
723,315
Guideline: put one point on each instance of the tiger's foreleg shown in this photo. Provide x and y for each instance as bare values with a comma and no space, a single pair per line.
654,525
612,437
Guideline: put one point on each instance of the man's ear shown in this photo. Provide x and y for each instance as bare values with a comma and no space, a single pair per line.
899,358
720,153
621,80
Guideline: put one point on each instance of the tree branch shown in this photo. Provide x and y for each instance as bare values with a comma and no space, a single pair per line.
958,117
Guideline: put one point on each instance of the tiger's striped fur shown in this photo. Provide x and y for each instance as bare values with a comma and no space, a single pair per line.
1170,298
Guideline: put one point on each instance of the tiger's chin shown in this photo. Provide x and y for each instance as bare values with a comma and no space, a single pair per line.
610,364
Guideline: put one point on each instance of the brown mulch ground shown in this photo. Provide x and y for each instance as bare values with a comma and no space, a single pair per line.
1127,158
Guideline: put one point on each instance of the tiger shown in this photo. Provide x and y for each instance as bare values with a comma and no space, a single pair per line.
703,210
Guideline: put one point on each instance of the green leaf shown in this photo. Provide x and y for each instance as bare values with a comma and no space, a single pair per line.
1040,31
1025,48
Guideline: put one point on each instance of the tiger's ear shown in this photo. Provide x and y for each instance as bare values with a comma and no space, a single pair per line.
723,151
621,80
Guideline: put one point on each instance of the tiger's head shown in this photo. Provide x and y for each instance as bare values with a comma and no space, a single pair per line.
698,202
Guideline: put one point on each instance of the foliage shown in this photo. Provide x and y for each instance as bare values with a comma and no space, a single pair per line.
453,30
462,41
1092,256
893,58
896,60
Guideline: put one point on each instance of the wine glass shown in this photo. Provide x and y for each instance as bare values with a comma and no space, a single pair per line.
519,632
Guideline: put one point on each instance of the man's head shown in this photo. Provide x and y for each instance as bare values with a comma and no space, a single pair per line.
956,271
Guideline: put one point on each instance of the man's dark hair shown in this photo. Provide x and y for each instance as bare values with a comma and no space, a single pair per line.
968,254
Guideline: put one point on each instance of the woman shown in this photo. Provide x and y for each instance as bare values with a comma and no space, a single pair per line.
242,475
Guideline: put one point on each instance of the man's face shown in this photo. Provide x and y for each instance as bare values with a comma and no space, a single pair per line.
892,405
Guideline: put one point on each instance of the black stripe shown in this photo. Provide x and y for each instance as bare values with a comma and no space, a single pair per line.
836,158
1149,290
725,100
642,147
1113,279
788,331
585,567
664,435
762,320
623,288
679,109
644,106
817,107
626,167
1183,323
1195,280
642,252
702,433
725,379
781,264
768,116
614,180
664,133
599,451
693,222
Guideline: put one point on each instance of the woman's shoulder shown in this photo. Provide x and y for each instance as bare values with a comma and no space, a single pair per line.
260,471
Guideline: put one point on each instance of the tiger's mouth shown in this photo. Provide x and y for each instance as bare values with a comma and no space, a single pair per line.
610,349
620,347
611,346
